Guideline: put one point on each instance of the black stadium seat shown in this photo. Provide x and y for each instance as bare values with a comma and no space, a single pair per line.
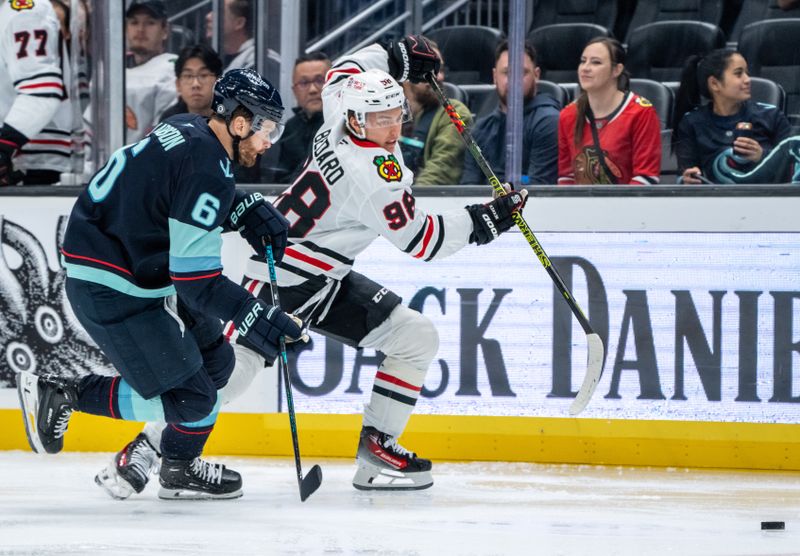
659,50
554,90
772,51
598,12
482,98
454,92
468,51
559,47
651,11
768,92
758,10
659,95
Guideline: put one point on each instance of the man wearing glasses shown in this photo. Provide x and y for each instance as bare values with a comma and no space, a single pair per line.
196,70
307,81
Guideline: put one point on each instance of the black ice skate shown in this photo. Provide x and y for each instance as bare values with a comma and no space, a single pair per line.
130,469
385,465
195,479
47,403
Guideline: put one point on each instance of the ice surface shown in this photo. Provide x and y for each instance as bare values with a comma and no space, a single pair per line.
50,505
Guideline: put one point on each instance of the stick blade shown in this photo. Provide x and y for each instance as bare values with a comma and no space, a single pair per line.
594,367
310,483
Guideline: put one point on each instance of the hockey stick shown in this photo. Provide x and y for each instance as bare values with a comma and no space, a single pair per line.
596,351
313,480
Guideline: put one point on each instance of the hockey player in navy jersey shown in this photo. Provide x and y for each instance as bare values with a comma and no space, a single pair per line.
146,232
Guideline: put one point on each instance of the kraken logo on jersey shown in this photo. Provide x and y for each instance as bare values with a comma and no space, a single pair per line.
388,168
20,5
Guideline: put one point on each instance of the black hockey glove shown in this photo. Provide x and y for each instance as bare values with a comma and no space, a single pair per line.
260,327
494,218
412,58
256,220
10,141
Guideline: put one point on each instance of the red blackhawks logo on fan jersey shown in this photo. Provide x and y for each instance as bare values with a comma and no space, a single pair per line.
20,5
388,168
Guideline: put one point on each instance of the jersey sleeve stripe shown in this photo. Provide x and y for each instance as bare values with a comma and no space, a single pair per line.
394,380
414,242
327,252
38,76
192,248
439,240
181,265
428,235
176,278
322,265
645,180
97,261
51,84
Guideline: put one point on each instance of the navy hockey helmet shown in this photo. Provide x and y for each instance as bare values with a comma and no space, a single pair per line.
245,87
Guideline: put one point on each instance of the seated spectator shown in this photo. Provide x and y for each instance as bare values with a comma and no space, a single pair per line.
149,77
431,145
540,127
237,45
732,134
609,135
293,148
196,70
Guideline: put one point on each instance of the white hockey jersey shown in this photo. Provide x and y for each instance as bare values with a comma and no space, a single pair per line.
32,76
149,90
352,191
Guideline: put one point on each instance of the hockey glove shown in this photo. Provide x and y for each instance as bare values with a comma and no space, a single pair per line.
494,218
10,141
260,327
258,222
412,58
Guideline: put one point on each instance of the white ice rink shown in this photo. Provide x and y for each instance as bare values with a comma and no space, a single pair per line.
49,505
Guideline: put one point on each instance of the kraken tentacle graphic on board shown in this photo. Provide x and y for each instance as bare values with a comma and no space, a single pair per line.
38,331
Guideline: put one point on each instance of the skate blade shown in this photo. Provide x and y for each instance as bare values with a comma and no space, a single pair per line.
28,391
184,494
114,485
370,477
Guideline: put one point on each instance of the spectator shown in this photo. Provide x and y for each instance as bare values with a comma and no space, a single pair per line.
149,85
540,127
731,133
431,146
295,143
237,45
622,142
35,117
196,70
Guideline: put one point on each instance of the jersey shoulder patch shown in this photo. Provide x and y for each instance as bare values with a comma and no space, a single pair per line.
643,102
389,168
20,5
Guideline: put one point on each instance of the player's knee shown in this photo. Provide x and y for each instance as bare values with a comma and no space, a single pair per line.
196,408
417,340
428,343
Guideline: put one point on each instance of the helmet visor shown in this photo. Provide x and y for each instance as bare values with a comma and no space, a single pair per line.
388,118
269,130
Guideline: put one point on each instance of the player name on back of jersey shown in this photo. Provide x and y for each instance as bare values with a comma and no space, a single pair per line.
168,136
325,158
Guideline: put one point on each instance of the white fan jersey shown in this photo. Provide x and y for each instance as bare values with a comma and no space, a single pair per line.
32,81
149,90
350,192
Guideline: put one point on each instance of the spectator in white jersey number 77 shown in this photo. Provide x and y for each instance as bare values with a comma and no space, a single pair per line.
355,188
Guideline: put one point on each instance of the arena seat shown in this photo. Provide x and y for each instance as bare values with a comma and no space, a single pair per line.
669,162
659,95
658,51
772,51
753,11
455,92
651,11
468,51
554,90
768,92
559,47
481,98
598,12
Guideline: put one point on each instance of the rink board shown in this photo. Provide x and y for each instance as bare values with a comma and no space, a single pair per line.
694,297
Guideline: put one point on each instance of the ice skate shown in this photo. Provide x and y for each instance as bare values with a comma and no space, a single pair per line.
385,465
130,469
47,403
196,479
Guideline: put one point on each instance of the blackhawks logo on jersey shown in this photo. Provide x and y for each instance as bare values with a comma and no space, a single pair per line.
20,5
388,168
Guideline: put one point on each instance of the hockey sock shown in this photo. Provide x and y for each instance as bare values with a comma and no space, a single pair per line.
186,440
113,397
394,395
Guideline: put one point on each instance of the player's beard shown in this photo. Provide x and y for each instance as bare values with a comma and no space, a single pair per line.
247,154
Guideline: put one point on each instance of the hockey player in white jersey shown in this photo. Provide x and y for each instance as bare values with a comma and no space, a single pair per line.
353,189
35,119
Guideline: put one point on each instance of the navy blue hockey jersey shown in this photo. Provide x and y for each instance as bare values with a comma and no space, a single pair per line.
704,136
150,222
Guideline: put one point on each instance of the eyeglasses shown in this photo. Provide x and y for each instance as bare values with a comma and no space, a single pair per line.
319,81
204,78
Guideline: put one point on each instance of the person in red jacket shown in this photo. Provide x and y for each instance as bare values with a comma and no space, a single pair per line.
609,135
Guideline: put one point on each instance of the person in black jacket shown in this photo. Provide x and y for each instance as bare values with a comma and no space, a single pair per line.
196,69
540,134
731,139
287,159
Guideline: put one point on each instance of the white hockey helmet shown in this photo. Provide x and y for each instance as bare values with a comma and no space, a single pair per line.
371,91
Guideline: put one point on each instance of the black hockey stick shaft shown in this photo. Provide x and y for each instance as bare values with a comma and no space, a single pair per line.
475,150
312,481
